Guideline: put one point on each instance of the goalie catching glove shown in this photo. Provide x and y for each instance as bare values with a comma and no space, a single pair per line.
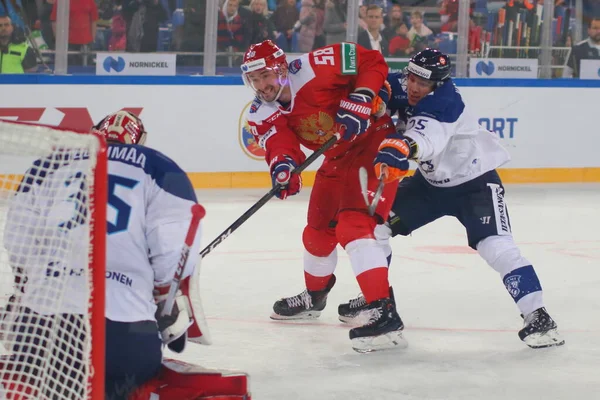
391,163
173,328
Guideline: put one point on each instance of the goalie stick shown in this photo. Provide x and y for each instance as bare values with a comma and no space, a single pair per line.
363,178
258,205
198,213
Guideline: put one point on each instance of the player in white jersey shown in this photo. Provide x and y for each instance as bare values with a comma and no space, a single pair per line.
456,176
149,211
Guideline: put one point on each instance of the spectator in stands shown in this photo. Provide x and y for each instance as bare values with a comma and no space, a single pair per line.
320,33
234,31
143,32
588,49
285,17
83,15
419,34
385,5
260,24
335,21
400,43
372,38
449,15
15,58
393,20
362,18
44,12
194,12
309,25
118,36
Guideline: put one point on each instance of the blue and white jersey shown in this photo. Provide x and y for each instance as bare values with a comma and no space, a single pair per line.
148,215
452,148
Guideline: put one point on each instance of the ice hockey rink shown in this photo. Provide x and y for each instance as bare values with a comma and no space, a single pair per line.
461,324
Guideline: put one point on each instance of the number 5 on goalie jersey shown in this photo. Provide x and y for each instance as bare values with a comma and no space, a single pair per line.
119,210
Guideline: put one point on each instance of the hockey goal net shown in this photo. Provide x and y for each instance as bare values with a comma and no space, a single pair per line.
52,234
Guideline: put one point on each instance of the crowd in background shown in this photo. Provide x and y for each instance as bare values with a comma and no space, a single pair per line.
397,28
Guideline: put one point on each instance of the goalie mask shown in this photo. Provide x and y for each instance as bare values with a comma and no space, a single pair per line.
122,127
261,57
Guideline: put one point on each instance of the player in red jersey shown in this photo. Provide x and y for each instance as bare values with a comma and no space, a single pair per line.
306,101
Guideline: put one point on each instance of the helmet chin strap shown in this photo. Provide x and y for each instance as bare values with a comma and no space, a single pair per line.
282,83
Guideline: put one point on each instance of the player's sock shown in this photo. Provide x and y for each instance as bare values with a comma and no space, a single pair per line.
318,270
525,288
316,283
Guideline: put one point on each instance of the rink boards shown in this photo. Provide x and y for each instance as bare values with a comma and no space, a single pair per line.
549,127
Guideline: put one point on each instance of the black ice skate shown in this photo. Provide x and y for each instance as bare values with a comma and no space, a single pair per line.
306,305
348,312
540,330
383,331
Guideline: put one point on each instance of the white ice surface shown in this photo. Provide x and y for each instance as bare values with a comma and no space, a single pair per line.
460,322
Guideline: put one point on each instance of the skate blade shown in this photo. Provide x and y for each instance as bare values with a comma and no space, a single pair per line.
369,344
305,315
542,340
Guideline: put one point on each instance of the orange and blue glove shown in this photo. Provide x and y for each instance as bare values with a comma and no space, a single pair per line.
381,101
391,163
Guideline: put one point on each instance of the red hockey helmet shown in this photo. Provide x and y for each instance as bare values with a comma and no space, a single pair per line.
264,55
122,127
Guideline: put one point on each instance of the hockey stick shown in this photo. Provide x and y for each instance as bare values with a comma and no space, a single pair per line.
363,178
258,205
198,213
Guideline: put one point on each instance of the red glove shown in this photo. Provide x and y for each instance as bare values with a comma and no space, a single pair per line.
282,177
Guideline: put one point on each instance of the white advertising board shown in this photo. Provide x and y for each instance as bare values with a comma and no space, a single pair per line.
590,69
203,127
503,68
135,64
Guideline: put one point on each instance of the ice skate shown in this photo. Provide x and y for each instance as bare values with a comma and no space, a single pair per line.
348,312
306,305
383,331
540,330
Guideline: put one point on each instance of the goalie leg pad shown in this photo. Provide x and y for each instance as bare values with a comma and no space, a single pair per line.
184,381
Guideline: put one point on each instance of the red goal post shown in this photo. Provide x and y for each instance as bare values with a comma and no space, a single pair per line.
53,191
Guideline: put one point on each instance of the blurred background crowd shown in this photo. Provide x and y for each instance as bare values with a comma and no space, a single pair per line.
397,28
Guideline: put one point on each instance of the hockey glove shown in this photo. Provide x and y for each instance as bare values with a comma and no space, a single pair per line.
391,162
173,328
381,101
282,176
354,115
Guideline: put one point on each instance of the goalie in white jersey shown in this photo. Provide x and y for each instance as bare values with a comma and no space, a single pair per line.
148,215
456,176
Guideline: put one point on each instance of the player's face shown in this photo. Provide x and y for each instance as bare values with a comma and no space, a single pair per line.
417,88
265,83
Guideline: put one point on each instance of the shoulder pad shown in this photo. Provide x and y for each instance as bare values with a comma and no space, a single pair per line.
445,104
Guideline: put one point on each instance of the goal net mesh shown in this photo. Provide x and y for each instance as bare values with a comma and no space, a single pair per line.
46,257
